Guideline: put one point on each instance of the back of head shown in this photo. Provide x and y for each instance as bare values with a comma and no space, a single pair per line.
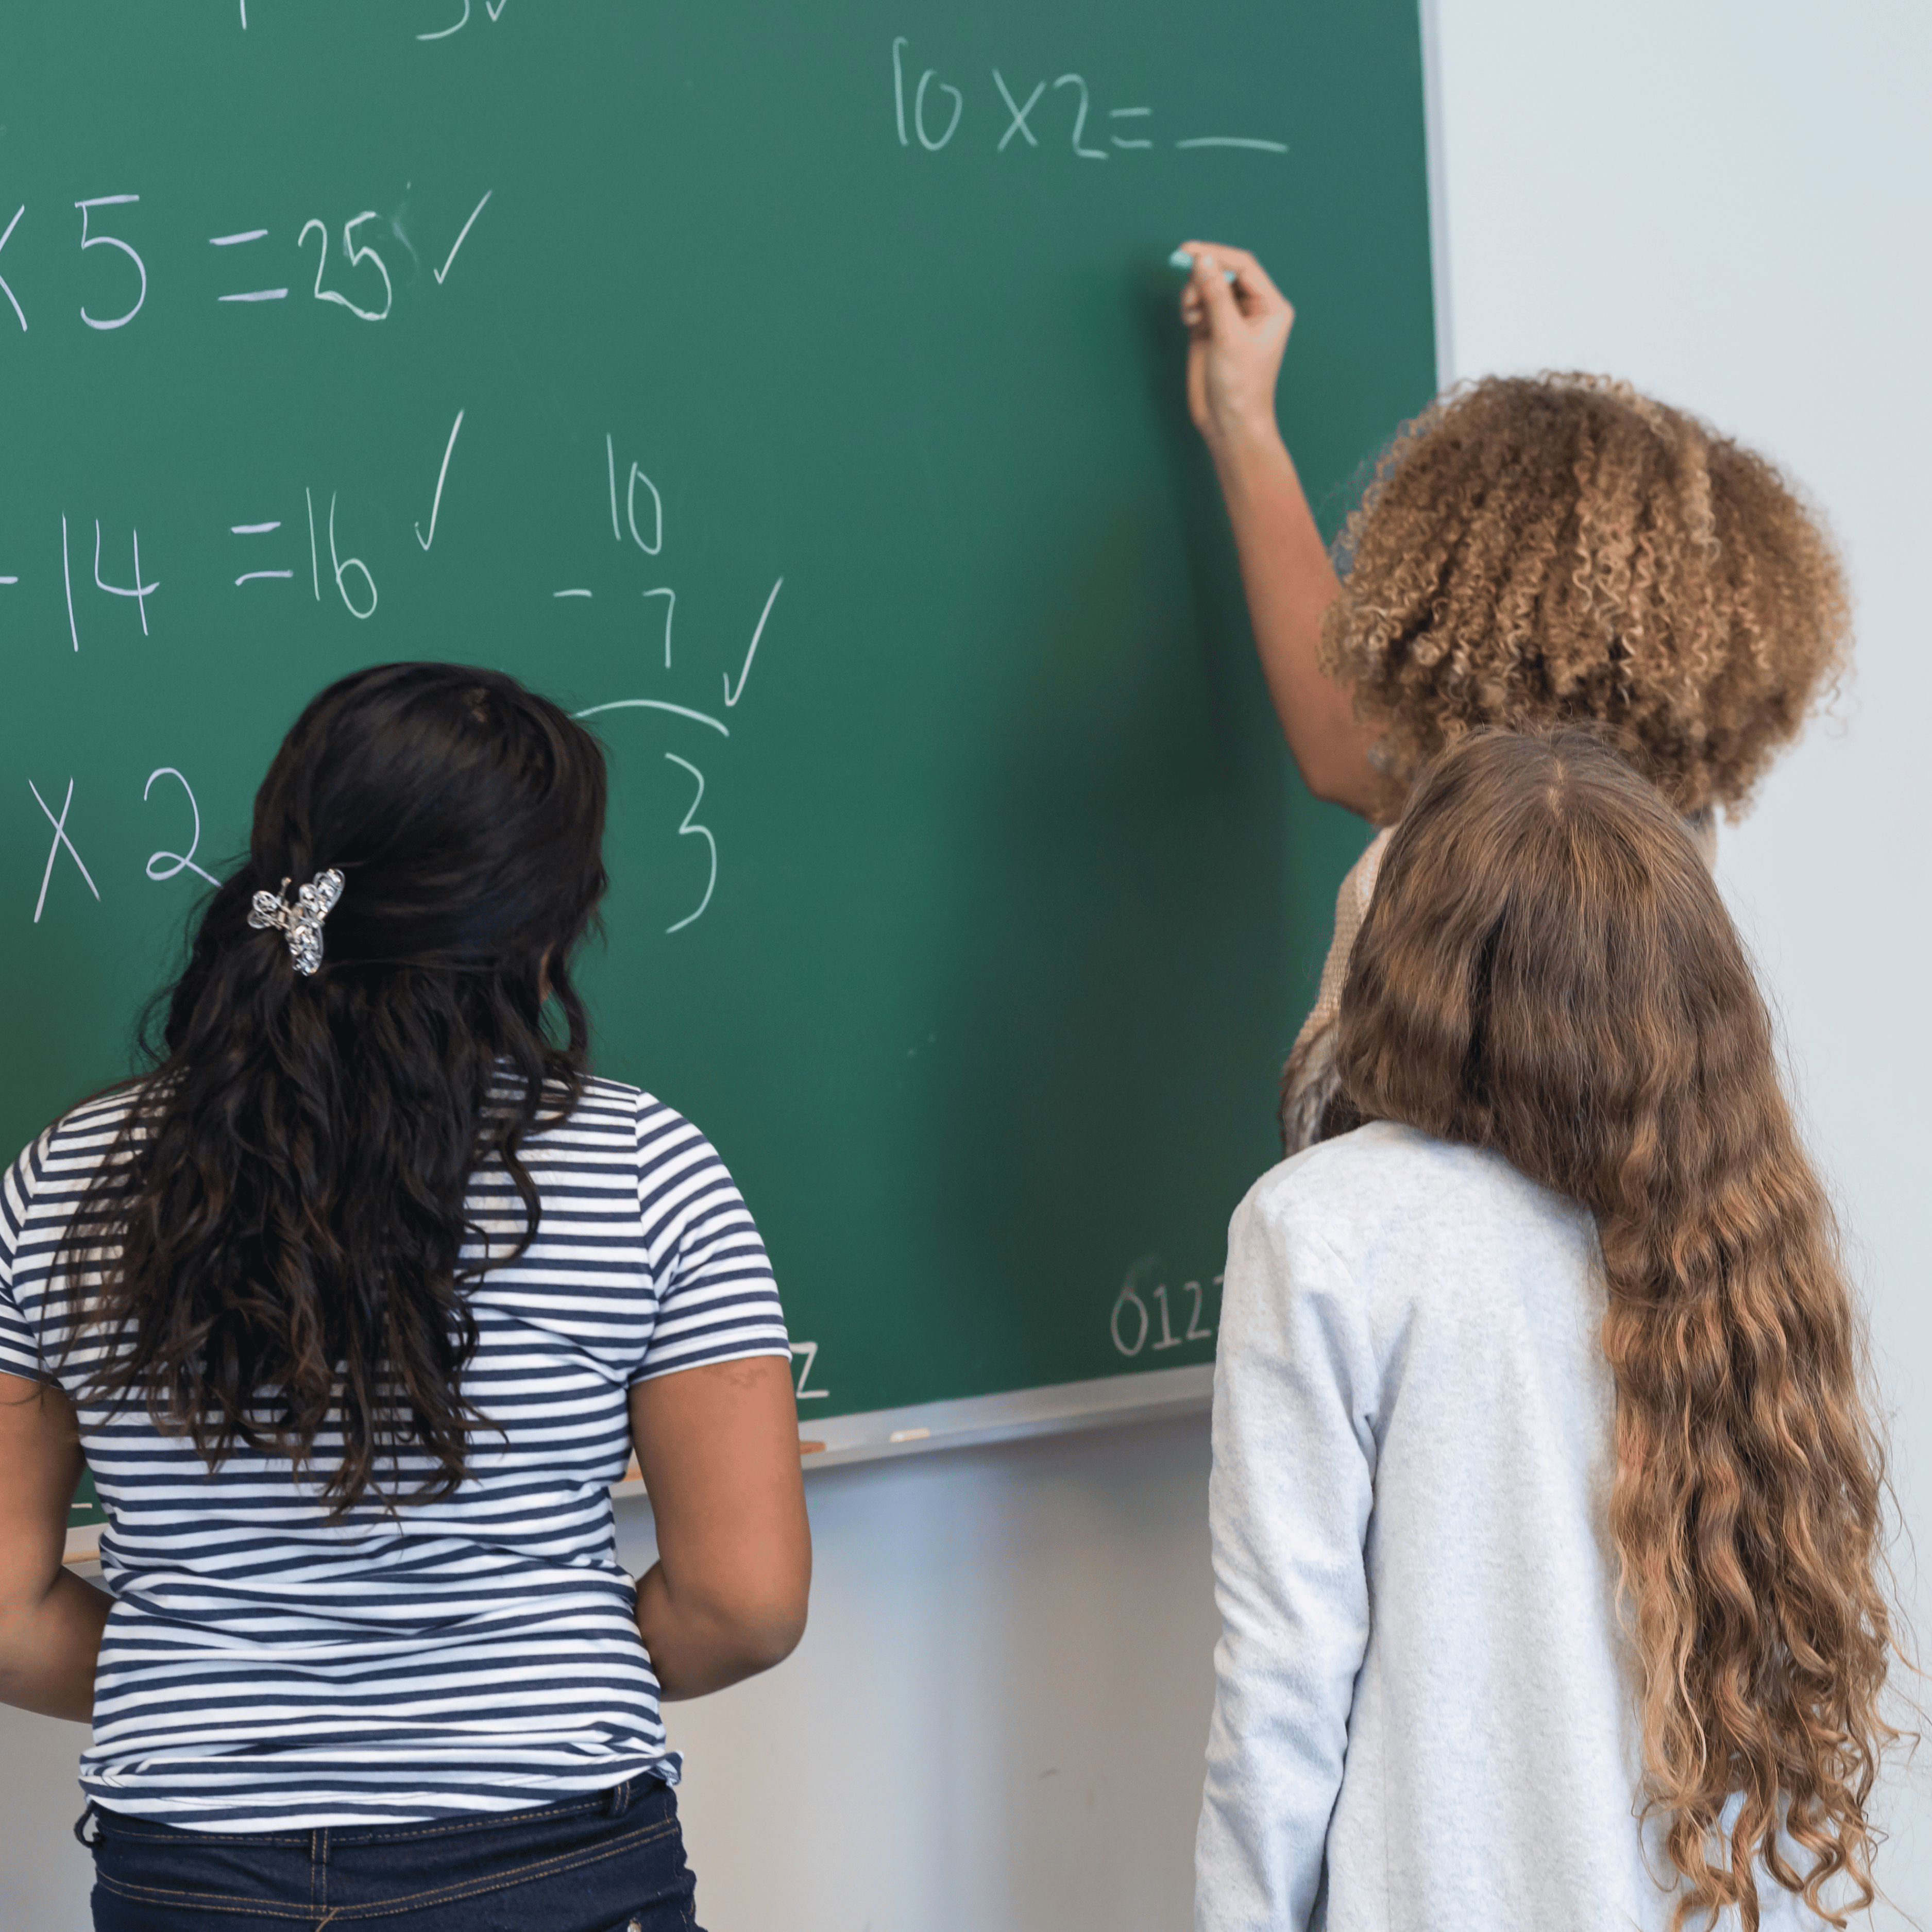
1536,552
1546,970
288,1198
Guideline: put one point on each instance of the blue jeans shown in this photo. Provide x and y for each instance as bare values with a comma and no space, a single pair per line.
610,1862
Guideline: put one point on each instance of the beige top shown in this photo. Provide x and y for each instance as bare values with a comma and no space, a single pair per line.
1309,1080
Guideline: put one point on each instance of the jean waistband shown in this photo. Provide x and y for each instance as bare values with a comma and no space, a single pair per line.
615,1801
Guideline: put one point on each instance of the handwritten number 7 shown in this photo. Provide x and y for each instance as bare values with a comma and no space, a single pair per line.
689,830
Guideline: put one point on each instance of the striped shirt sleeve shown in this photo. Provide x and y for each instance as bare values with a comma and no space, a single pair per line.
20,1348
717,1301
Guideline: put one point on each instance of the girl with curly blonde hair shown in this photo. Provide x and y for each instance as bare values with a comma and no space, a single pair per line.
1546,1499
1532,552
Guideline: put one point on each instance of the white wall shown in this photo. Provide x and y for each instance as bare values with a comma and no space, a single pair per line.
996,1722
1729,201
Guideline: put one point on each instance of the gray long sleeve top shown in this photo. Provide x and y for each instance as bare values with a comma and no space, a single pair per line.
1425,1717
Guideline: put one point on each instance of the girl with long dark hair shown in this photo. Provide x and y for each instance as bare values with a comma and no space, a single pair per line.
1547,1500
356,1305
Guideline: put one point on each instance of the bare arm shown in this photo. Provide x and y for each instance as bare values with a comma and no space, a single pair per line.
719,1449
50,1622
1237,334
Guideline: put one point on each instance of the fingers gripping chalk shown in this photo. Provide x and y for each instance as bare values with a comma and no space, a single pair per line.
1181,259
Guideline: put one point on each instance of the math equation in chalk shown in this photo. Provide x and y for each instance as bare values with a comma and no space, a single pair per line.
358,258
1046,113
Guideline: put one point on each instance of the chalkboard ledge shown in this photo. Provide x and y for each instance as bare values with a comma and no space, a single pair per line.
1155,1395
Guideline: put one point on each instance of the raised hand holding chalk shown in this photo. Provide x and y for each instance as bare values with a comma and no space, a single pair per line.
1238,323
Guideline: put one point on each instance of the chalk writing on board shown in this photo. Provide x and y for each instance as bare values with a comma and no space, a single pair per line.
1234,141
19,314
356,254
930,126
173,863
670,611
925,80
637,476
436,503
95,241
691,829
444,33
236,241
66,574
342,566
1018,123
60,839
809,1350
441,273
258,530
730,697
138,591
1139,1321
494,8
717,724
1080,118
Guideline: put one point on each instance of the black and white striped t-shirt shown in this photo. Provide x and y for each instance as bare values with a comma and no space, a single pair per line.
264,1669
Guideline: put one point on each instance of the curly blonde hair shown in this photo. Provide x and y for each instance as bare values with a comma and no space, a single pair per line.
1534,552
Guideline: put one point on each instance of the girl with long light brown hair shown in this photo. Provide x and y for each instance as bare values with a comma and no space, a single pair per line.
1532,552
1547,1500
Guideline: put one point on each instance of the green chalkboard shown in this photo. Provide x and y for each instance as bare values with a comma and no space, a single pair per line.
804,381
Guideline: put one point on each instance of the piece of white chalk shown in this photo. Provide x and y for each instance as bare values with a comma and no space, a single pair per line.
1181,259
908,1435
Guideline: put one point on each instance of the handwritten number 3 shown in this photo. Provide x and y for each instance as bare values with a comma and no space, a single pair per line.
171,862
357,253
689,830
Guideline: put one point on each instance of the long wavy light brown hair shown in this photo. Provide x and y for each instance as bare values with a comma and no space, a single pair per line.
1538,552
1547,970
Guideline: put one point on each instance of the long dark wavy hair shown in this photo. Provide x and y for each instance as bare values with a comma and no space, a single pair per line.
272,1253
1547,970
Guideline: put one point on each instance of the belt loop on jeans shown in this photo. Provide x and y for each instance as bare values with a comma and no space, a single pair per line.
80,1826
619,1798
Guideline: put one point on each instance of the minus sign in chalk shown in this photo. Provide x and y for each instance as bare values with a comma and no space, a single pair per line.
810,1448
1181,259
9,579
908,1434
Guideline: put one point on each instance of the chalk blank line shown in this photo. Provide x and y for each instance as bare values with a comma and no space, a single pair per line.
1234,141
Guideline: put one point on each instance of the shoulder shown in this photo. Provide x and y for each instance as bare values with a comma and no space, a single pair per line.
677,1168
77,1143
49,1179
1387,1199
